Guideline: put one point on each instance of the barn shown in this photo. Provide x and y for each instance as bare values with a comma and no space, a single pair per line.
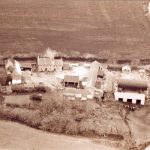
71,81
133,91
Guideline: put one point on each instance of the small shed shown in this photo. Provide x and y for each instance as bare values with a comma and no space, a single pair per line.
70,80
126,69
66,66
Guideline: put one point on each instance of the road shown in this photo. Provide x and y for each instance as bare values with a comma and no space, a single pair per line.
14,136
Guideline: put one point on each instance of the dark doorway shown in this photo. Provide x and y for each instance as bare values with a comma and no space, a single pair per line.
120,99
138,101
129,100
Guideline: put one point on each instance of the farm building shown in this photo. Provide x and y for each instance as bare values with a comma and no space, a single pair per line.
45,64
58,64
71,81
25,66
66,66
27,63
126,69
95,72
134,91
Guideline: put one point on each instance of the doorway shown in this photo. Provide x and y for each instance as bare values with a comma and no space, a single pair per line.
129,100
138,101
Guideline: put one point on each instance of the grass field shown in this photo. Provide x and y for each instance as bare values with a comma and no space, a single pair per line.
106,28
32,139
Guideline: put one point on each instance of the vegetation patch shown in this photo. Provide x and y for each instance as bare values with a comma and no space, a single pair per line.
58,115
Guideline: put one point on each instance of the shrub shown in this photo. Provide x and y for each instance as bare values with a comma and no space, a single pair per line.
22,89
72,127
36,97
4,79
40,89
56,122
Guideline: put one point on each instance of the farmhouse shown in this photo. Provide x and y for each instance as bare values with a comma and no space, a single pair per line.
45,64
134,91
71,81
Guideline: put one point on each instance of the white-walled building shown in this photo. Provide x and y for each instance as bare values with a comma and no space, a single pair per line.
129,90
45,64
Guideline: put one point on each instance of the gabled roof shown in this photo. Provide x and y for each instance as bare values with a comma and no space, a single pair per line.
71,78
45,61
25,65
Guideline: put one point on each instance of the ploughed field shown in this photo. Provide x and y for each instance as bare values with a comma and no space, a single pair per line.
99,27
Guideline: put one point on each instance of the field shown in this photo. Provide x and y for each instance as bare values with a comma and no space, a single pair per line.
106,28
28,138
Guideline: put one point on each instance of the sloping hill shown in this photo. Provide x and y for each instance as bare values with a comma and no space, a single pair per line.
15,136
88,26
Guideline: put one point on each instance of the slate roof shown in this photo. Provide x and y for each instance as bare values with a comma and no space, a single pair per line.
45,61
25,65
71,78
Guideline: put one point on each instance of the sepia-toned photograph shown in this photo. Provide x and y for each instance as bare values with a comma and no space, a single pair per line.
74,74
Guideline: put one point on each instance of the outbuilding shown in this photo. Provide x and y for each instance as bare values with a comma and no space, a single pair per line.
71,81
134,91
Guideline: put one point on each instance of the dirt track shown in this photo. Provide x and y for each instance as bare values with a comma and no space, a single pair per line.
14,136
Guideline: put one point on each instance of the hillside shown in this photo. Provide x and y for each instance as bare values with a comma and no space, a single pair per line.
100,27
28,138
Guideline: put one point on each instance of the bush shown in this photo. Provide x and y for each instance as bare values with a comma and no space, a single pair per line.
5,79
22,89
40,89
56,122
36,97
